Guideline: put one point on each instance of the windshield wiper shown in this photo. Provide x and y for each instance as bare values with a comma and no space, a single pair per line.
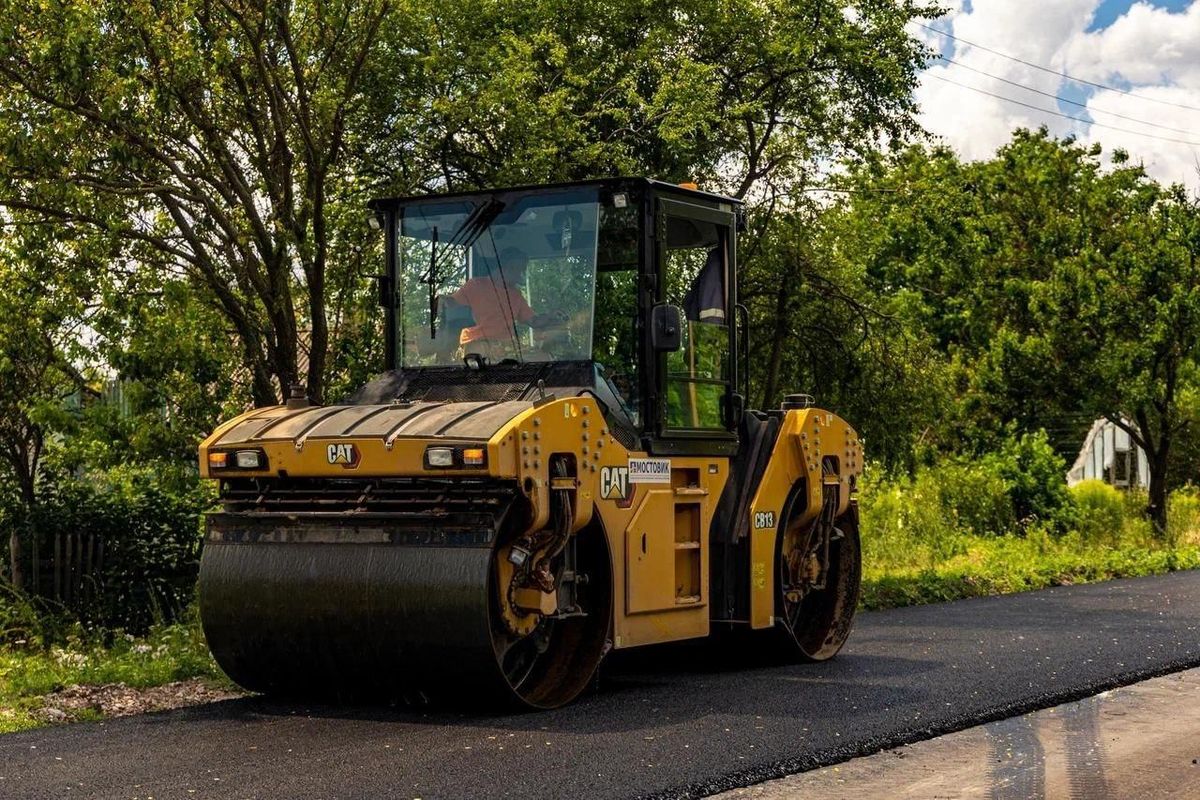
433,283
478,221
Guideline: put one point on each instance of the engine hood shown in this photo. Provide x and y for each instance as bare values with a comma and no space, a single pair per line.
370,439
473,421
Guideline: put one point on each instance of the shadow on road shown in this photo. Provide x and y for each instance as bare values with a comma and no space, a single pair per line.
667,683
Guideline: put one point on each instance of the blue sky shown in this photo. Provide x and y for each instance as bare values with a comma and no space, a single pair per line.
1109,10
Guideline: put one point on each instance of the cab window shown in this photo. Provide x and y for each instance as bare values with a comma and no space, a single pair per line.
697,377
615,342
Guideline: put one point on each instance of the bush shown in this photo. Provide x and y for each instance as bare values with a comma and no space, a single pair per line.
1100,511
22,621
1036,478
1183,516
904,521
973,496
148,519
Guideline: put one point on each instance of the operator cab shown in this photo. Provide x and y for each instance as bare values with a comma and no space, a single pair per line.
622,288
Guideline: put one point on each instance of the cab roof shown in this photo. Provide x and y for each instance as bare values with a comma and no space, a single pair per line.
614,184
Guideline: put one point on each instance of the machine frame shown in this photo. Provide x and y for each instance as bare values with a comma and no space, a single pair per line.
514,573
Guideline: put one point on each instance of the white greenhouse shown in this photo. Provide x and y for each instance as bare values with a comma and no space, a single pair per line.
1108,454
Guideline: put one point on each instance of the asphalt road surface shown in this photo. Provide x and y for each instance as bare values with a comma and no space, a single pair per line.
670,724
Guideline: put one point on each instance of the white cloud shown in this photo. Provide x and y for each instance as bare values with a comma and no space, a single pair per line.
1146,46
1153,51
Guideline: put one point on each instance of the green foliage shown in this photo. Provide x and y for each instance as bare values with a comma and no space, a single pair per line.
818,325
1007,565
168,143
1183,518
148,518
1034,476
975,497
1054,289
1101,511
929,562
930,517
23,620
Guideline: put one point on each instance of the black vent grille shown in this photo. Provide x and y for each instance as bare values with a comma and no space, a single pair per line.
394,496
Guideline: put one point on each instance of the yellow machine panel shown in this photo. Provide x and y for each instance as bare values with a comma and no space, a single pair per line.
650,554
816,453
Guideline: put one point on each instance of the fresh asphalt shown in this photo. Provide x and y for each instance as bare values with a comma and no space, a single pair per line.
670,723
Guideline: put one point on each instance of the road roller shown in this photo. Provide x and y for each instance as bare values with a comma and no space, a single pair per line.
556,461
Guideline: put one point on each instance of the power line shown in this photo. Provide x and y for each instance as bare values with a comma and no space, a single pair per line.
1057,72
1084,120
1059,97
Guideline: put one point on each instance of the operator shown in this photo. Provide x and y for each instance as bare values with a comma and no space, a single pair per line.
495,299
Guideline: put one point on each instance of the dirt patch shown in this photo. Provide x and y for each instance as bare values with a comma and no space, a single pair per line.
119,700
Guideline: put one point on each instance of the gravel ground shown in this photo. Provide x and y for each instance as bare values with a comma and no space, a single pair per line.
119,700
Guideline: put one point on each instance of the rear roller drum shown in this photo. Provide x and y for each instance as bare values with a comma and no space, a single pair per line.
817,584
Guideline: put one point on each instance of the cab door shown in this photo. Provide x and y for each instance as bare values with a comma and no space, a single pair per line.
694,384
667,543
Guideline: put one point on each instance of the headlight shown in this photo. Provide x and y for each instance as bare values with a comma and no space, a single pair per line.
248,459
455,457
239,459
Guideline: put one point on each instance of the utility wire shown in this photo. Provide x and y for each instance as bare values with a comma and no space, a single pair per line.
1060,98
1057,72
1084,120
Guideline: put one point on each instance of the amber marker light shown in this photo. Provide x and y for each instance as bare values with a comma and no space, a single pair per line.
473,456
218,460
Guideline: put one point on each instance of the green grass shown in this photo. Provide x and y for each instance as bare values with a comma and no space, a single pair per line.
29,672
1008,564
918,549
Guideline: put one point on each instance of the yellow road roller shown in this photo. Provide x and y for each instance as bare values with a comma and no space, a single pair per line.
557,462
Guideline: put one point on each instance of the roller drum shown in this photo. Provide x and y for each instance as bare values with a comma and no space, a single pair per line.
341,609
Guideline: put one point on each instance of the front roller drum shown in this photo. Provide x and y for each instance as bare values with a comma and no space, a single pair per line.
340,610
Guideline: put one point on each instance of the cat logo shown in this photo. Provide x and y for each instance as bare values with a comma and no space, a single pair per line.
343,454
614,483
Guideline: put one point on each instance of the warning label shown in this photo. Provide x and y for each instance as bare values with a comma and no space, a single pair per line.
649,470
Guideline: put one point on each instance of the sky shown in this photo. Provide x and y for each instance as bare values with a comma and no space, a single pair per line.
1146,52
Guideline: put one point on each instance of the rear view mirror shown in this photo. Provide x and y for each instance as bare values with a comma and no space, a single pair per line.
386,289
666,329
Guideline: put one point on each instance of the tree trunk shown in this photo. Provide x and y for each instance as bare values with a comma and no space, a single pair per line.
778,340
25,479
14,559
1156,509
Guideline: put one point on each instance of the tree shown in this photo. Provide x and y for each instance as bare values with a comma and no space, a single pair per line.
1054,288
235,141
39,318
736,94
205,137
1127,323
818,326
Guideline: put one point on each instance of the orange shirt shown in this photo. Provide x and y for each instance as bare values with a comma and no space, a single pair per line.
493,317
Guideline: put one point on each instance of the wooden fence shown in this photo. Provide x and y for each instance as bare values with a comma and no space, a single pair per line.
69,567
